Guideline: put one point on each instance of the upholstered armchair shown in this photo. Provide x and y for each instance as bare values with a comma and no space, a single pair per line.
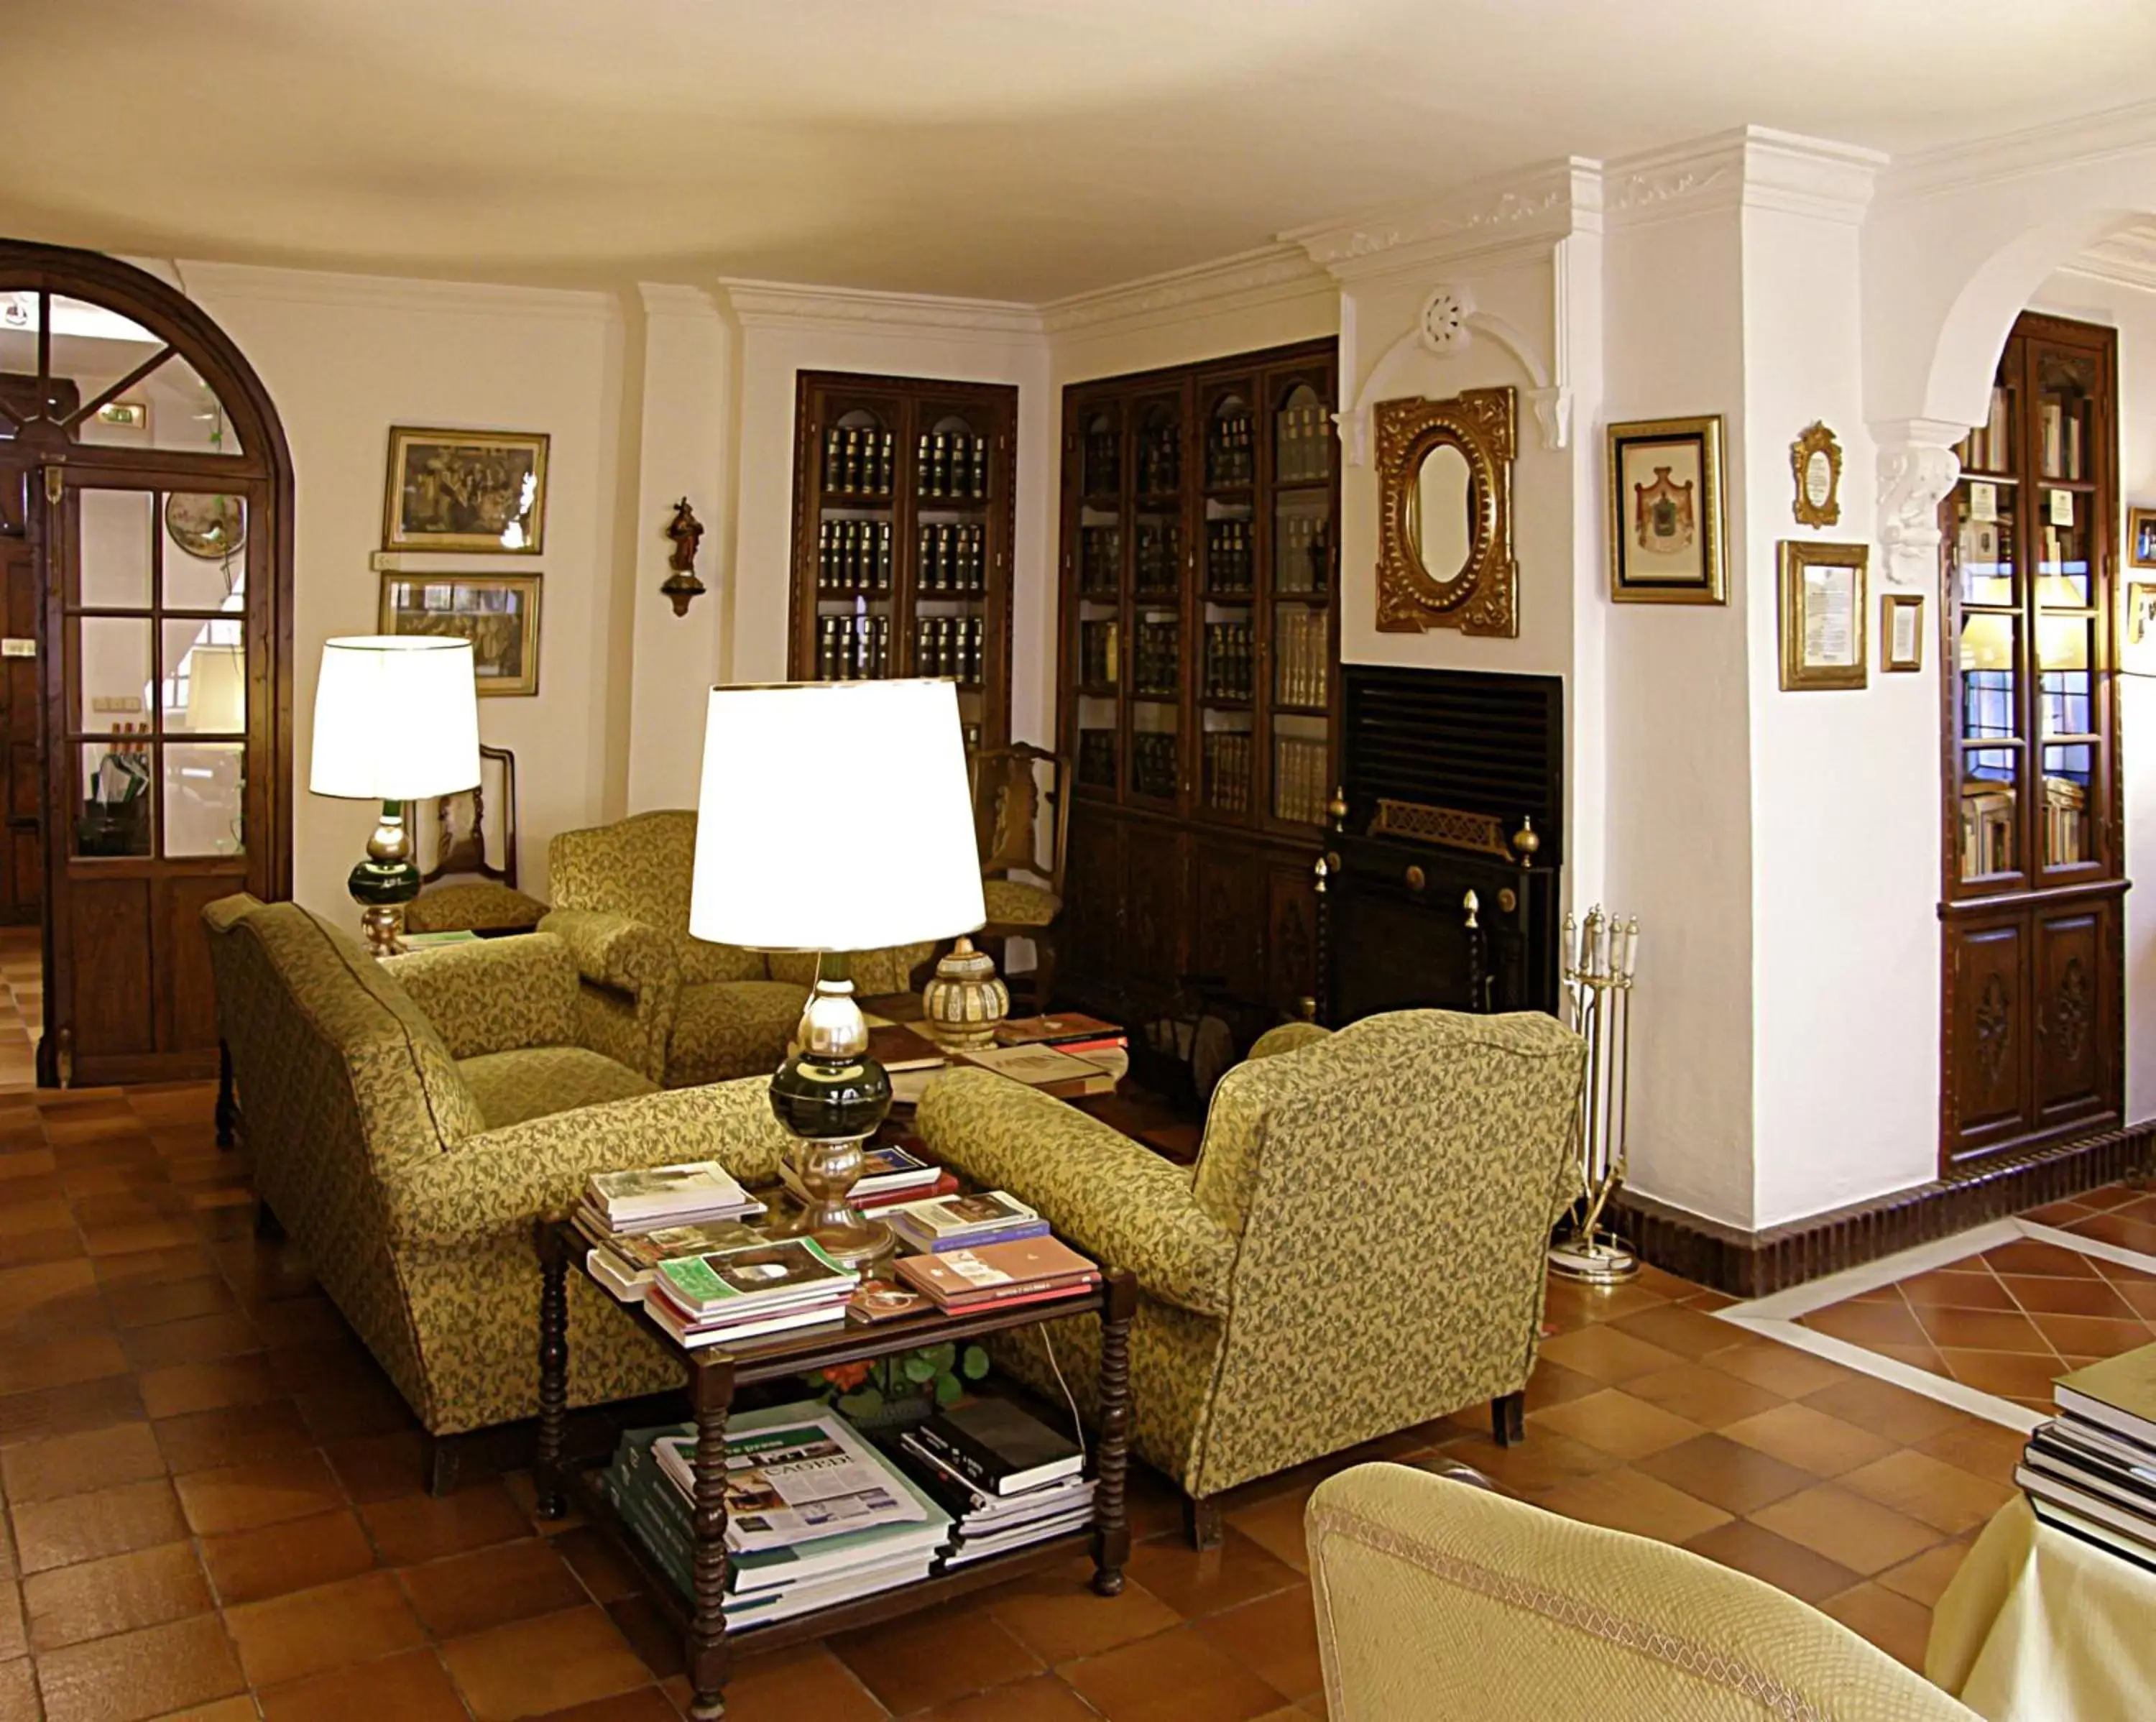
1436,1600
681,1010
1358,1249
410,1119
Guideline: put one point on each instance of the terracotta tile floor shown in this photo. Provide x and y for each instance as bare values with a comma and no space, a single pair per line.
2010,1319
212,1507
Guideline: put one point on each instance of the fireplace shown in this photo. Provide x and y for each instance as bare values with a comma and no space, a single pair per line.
1454,783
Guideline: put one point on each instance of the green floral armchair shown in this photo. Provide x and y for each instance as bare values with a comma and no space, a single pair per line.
1360,1248
409,1119
679,1009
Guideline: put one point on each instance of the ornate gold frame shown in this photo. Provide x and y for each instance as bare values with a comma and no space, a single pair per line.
1890,604
1712,585
1483,597
1793,555
1815,439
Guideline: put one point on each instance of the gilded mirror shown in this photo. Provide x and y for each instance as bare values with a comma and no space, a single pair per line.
1444,501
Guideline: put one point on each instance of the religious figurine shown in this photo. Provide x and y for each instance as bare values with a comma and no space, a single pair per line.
687,533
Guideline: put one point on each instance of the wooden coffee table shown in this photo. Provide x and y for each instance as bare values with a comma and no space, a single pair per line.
714,1374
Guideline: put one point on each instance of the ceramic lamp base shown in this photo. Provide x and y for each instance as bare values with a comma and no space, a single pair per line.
964,1001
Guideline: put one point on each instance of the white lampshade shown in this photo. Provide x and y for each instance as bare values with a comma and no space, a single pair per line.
217,689
396,718
834,816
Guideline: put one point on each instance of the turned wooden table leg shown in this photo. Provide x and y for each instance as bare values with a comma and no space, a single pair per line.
1112,1529
553,1371
710,1393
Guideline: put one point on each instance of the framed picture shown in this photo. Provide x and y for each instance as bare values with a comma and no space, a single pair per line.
1665,535
2141,538
465,489
499,614
1901,631
1822,614
2140,612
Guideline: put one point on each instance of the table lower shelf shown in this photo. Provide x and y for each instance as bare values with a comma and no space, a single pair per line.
580,1483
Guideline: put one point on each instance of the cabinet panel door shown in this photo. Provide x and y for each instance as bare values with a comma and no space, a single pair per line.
1090,956
1156,888
1990,1034
1229,945
2071,1012
1291,937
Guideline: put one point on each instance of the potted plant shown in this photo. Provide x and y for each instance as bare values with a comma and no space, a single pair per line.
894,1392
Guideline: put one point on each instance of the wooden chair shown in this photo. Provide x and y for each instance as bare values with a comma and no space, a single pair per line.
485,899
1010,786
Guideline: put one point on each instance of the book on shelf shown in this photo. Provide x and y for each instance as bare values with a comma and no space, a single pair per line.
2050,1496
625,1261
947,1184
644,1198
751,1281
985,1274
955,1222
1039,1066
1063,1029
997,1448
762,1324
798,1474
974,1509
2118,1394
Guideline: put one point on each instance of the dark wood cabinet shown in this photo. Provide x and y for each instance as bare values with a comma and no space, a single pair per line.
2032,832
904,489
1199,680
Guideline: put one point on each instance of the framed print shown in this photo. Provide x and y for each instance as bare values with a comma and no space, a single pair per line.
465,489
1901,631
1822,614
499,614
1665,536
2141,538
1815,464
2140,612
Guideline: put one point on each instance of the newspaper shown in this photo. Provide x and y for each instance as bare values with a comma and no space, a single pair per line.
807,1478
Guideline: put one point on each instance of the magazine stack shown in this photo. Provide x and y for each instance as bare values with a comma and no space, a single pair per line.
961,1222
1006,1479
2091,1470
815,1516
766,1286
889,1175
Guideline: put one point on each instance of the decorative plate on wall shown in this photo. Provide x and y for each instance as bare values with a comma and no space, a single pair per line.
210,527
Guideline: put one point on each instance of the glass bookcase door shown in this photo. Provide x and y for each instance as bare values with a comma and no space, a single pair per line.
1299,620
1102,599
856,545
947,572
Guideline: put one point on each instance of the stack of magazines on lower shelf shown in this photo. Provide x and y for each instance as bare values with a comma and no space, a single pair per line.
1006,1480
2091,1470
752,1290
815,1516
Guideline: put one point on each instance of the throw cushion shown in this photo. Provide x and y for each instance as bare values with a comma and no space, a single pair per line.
478,906
538,1082
1012,903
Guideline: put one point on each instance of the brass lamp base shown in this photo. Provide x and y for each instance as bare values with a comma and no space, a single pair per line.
827,1171
1599,1259
384,882
830,1095
964,1002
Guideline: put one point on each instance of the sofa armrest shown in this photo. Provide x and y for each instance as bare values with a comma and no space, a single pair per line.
612,950
632,986
499,1182
493,994
1286,1037
1113,1198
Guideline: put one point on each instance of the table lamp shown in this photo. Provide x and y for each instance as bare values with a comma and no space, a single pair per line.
834,817
395,720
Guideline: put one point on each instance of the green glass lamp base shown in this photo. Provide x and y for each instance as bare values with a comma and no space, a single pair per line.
831,1096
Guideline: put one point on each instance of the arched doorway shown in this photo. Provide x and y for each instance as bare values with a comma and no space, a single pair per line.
146,504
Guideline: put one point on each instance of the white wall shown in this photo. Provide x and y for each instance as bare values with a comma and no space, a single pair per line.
346,357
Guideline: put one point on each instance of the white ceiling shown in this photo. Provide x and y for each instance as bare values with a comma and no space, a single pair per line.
1017,149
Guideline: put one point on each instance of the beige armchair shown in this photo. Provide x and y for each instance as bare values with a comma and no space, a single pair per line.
680,1009
1359,1249
408,1122
1438,1601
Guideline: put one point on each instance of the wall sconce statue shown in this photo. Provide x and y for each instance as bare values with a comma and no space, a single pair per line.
687,533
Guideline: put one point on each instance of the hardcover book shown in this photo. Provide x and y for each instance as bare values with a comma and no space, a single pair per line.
2119,1393
991,1272
1043,1067
997,1447
776,1270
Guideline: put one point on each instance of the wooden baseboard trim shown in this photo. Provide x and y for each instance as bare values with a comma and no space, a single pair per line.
1752,1264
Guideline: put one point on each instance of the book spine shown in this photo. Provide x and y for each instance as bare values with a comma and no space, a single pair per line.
975,1463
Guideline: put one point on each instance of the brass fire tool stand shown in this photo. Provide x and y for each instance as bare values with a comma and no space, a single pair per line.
1600,955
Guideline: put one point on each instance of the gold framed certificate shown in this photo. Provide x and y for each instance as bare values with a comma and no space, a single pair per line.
1823,600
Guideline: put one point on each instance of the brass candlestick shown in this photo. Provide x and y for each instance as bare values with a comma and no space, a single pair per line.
1600,955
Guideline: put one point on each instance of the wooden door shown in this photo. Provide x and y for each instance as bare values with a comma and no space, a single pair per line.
159,757
22,857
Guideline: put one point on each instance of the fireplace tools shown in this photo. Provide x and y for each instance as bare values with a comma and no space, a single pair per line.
1599,956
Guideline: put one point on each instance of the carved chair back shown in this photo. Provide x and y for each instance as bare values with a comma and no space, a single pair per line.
1012,786
459,833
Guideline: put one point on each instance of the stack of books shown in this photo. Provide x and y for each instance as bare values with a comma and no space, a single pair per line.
770,1286
815,1516
960,1222
647,1198
2091,1470
1006,1479
624,1261
1075,1035
888,1174
980,1275
1049,1069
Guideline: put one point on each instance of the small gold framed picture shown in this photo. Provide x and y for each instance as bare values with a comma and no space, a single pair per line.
2141,538
1901,631
1665,528
499,614
2140,612
1822,614
466,491
1815,464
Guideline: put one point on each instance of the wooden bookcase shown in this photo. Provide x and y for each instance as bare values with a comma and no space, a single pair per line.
2034,990
1198,685
903,494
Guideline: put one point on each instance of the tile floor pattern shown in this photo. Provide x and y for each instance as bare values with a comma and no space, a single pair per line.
2008,1320
212,1508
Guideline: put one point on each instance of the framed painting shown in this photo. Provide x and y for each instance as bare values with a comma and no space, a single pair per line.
466,491
1822,614
499,614
2141,538
1666,526
1901,632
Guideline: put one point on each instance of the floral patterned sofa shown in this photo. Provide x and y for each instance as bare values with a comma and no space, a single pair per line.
1359,1248
408,1122
679,1009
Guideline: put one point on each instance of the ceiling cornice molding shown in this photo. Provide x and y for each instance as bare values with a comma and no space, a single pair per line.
787,304
2082,141
1751,167
1533,208
1247,281
674,299
406,293
2125,260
